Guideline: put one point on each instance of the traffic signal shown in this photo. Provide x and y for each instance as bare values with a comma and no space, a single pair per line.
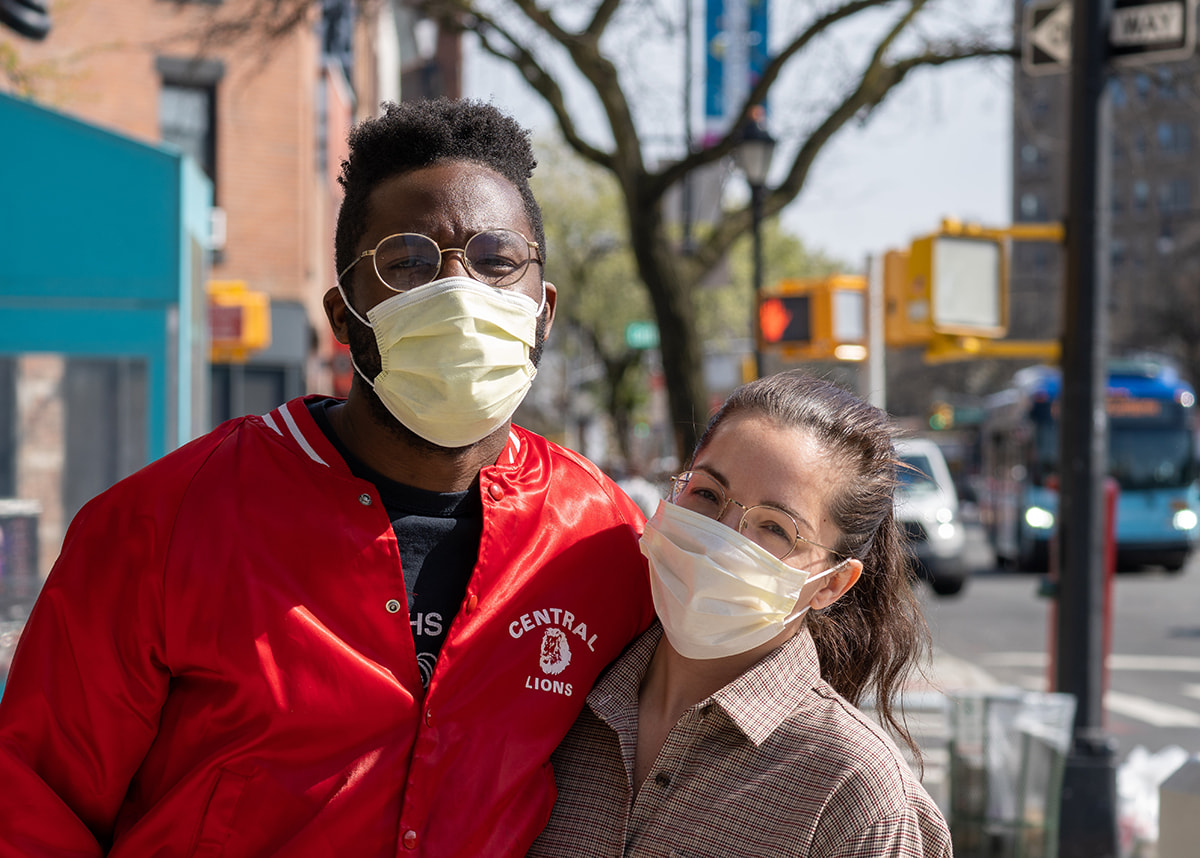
905,303
786,319
942,416
953,282
815,318
239,321
964,275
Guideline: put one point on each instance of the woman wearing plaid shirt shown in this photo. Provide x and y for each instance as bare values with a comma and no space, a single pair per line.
731,728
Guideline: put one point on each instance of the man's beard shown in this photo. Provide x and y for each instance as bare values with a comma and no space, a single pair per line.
365,353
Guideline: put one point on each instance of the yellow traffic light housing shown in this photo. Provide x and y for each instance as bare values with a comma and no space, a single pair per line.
239,321
815,318
905,303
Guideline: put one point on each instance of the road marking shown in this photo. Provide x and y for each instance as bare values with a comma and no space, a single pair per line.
1131,706
1160,663
1150,711
1181,663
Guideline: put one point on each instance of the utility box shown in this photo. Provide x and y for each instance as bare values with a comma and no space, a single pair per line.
1179,812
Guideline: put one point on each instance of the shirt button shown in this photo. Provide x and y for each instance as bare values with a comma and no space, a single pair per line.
472,602
410,839
429,717
662,779
495,491
393,606
707,711
364,499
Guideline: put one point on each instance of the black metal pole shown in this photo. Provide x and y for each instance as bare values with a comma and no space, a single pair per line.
1087,823
756,213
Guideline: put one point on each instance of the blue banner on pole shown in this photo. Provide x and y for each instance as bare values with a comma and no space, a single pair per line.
736,54
715,39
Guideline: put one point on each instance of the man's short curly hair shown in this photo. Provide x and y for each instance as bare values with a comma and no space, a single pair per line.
415,134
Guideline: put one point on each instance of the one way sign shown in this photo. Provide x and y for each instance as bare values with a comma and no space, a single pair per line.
1139,32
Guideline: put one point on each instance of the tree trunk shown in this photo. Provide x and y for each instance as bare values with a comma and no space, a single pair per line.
682,359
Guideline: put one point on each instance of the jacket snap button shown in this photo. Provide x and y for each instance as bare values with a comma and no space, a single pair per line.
364,499
495,491
410,839
393,606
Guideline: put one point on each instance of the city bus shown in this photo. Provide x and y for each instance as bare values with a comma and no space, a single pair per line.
1152,438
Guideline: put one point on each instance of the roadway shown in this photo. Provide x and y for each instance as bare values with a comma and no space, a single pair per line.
1001,625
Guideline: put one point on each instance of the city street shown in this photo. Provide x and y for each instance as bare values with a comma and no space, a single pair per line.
1001,625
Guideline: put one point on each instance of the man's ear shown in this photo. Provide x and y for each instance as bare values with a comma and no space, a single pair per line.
335,311
835,585
551,303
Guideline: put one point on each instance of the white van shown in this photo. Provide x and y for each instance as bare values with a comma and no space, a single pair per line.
927,509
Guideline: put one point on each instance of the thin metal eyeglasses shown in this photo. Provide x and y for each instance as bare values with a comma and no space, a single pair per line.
769,527
406,260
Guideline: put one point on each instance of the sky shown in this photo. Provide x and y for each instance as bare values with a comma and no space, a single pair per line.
938,147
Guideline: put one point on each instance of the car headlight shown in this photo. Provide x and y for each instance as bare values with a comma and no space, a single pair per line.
1184,519
1038,518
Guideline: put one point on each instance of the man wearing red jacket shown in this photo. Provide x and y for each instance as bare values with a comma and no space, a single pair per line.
348,627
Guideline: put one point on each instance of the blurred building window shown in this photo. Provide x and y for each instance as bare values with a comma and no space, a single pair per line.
187,109
1173,137
1175,195
1041,257
1116,91
1032,207
1142,85
1141,196
1116,253
1166,83
337,34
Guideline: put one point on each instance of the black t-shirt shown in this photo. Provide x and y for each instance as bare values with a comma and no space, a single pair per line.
438,536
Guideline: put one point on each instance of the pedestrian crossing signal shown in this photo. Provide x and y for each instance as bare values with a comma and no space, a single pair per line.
814,318
785,319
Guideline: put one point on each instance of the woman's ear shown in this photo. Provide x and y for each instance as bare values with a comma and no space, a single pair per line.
835,584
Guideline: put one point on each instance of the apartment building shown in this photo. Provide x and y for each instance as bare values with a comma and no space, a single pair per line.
1150,192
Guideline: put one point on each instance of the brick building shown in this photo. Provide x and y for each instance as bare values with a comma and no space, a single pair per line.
266,118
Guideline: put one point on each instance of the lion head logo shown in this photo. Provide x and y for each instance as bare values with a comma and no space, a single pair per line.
556,653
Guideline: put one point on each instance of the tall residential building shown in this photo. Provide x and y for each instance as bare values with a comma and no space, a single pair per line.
1150,198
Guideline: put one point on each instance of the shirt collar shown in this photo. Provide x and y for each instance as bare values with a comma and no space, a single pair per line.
757,702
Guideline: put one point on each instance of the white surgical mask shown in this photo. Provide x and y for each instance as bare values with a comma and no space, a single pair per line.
716,592
455,357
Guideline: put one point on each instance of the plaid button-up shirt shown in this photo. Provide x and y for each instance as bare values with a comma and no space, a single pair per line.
774,764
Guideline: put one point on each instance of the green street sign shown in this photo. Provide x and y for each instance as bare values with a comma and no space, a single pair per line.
641,335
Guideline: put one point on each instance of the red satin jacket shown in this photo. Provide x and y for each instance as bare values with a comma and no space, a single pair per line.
221,663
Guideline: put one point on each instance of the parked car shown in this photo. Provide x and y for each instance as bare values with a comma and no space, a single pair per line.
928,510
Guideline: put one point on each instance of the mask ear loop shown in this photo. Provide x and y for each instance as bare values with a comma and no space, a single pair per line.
816,577
350,306
354,312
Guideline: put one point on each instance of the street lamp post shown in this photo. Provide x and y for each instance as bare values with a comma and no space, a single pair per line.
753,158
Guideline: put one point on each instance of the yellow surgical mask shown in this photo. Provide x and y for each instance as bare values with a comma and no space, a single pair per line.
716,592
455,357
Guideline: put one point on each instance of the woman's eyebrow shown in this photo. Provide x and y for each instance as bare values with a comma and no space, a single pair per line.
723,480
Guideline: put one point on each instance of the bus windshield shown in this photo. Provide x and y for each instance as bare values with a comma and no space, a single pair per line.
1148,448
